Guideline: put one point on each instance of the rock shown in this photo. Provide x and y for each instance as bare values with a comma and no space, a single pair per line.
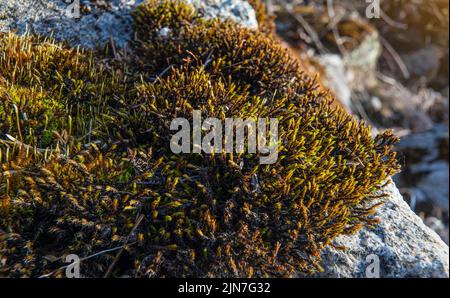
424,62
401,107
53,17
427,166
239,11
335,77
361,62
354,69
438,226
433,185
91,25
403,244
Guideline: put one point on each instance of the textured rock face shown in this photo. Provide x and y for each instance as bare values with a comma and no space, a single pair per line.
403,244
431,170
237,10
94,25
352,70
335,77
63,22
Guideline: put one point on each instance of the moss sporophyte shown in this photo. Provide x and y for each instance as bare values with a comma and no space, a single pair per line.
86,161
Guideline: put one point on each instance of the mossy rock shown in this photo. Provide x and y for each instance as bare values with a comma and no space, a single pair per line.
97,173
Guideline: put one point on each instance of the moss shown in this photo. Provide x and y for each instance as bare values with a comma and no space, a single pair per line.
117,184
42,84
248,58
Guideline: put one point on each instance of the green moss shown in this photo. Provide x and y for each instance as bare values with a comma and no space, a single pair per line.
238,54
118,183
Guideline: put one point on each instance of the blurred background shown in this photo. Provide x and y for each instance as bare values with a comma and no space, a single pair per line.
390,67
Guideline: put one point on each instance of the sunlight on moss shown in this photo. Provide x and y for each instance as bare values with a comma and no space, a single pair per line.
70,183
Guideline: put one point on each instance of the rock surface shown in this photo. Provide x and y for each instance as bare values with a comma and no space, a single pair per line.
352,70
56,18
90,25
239,11
404,246
335,77
431,172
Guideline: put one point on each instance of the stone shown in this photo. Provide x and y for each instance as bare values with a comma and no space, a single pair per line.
430,172
353,70
438,226
424,62
91,26
55,18
239,11
335,76
361,62
403,244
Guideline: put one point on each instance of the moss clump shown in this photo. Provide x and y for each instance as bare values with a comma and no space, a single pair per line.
42,84
118,186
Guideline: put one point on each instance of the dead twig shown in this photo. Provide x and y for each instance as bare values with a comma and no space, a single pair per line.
84,259
312,33
402,66
119,254
334,20
391,22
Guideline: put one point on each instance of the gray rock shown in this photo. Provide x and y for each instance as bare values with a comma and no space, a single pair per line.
433,186
424,62
361,62
239,11
438,226
352,71
431,172
65,22
403,244
336,77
